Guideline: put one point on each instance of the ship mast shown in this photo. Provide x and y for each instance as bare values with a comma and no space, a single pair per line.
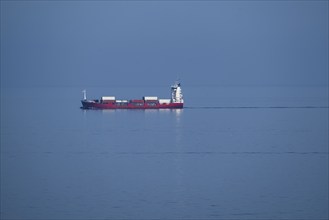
84,92
176,93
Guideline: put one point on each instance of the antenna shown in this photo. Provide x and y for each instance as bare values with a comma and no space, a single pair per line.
177,79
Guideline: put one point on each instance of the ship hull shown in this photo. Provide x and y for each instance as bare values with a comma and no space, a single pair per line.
87,104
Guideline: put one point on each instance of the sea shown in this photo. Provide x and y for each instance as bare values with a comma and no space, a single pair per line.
233,152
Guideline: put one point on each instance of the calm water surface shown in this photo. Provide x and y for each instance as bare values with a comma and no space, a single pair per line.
233,153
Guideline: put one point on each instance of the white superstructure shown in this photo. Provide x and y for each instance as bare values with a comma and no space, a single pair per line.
176,93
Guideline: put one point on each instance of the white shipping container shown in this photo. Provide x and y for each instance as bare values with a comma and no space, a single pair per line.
108,98
150,98
164,101
122,101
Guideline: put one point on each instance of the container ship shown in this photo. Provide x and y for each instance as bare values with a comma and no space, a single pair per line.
147,102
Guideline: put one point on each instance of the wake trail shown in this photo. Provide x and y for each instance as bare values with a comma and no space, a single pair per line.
256,107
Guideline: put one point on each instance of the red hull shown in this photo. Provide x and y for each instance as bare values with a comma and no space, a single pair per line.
96,105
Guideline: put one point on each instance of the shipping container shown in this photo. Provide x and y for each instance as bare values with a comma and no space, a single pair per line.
137,103
137,100
151,103
150,98
108,101
164,101
108,98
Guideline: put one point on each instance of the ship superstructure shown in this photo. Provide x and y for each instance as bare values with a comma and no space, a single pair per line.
147,102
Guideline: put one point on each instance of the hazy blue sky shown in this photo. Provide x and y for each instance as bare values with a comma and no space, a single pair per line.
87,43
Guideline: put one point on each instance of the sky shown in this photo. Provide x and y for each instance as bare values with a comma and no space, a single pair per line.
221,43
